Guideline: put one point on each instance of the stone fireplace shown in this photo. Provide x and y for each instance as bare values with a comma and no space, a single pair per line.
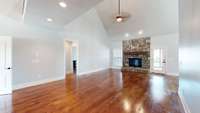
136,55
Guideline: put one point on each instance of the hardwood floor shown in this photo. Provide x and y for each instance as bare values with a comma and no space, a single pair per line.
107,91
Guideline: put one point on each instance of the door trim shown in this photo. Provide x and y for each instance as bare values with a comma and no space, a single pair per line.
164,68
8,64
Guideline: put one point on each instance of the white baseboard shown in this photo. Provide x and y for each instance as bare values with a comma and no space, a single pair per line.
92,71
35,83
172,74
70,72
168,74
183,102
116,67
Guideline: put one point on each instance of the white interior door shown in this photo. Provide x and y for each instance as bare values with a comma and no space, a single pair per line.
5,65
159,60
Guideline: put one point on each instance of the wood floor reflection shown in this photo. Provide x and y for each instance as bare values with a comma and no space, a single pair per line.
108,91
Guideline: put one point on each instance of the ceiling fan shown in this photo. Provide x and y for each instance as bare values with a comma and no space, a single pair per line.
121,16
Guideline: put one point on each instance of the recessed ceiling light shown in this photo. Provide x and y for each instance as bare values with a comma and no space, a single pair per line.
140,32
49,20
127,34
63,4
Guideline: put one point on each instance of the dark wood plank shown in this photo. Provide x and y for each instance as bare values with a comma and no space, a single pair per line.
108,91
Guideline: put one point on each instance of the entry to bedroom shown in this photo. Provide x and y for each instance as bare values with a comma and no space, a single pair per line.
71,57
5,65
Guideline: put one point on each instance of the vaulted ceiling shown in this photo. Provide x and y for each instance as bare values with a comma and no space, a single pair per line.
38,10
154,17
11,8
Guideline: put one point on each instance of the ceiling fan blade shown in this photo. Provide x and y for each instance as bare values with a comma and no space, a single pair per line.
125,17
125,14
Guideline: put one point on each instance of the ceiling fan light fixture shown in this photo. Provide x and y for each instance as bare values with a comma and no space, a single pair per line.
119,19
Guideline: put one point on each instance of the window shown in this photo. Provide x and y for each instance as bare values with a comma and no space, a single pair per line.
117,57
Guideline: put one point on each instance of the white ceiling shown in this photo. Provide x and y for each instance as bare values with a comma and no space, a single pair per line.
11,8
155,17
38,10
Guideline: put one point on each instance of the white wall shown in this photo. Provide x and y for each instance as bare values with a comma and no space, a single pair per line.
92,39
38,54
189,85
170,44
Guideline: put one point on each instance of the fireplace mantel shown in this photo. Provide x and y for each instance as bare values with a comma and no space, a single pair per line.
136,52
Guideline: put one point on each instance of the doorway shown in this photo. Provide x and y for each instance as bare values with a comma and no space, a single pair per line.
159,60
71,57
5,65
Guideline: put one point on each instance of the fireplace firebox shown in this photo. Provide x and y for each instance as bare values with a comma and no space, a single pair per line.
135,62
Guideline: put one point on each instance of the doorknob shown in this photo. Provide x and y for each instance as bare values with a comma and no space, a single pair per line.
8,68
164,61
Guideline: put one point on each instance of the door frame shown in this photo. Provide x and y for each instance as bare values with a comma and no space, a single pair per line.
164,61
65,56
8,64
